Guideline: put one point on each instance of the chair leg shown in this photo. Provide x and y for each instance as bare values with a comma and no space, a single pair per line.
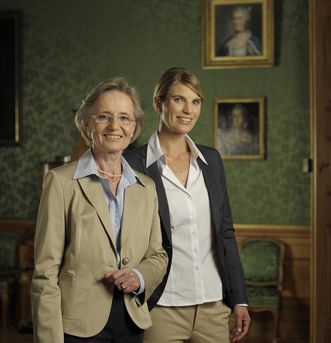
275,331
4,308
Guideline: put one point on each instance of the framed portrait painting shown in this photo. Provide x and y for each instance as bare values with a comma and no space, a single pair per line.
239,128
238,34
10,117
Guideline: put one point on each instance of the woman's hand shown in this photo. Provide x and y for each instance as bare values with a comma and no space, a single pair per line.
241,325
125,279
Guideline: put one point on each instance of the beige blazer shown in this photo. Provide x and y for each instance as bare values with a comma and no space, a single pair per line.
74,247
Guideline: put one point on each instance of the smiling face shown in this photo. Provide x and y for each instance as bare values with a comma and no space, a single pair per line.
239,20
113,136
180,110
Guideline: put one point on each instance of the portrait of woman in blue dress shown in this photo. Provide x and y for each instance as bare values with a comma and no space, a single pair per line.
242,42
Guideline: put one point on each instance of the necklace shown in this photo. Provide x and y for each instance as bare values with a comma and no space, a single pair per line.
111,177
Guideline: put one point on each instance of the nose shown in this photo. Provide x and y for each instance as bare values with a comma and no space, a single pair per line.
187,108
113,122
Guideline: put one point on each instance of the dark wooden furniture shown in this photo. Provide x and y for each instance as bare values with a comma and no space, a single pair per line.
23,273
9,271
25,277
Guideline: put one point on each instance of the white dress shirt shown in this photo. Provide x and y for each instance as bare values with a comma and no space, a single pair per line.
194,277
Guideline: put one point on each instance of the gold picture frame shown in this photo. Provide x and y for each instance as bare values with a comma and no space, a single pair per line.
238,34
239,128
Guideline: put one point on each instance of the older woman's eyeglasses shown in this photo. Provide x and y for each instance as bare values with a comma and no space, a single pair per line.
105,118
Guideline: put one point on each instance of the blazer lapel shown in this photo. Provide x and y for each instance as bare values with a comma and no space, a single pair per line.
131,198
153,172
95,195
213,193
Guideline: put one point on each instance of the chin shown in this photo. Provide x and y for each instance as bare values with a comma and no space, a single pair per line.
184,131
114,150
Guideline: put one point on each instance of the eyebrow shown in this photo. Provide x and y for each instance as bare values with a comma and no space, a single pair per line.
119,113
182,96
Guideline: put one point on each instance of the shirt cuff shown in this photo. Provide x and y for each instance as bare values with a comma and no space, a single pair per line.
142,282
244,305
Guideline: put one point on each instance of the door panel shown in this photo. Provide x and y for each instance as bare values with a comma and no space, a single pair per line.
320,76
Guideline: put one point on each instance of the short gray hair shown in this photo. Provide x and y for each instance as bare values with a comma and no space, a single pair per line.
84,112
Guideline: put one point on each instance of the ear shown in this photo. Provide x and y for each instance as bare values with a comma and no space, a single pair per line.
88,125
158,104
133,129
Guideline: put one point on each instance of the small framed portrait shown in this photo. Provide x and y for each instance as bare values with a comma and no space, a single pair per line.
239,128
238,34
10,88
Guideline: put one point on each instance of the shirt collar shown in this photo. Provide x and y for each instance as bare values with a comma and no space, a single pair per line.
87,166
155,153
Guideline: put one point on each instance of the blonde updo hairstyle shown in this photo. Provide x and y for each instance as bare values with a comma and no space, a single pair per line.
85,111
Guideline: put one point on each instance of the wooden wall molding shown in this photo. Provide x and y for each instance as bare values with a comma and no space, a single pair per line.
286,230
294,320
24,228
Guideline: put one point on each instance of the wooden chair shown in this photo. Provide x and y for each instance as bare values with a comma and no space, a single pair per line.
263,261
9,271
26,269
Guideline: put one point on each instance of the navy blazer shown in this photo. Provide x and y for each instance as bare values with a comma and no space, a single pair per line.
228,261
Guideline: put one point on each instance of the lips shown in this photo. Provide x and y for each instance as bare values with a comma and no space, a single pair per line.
185,120
112,136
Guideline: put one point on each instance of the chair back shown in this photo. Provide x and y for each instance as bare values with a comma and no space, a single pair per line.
262,261
9,243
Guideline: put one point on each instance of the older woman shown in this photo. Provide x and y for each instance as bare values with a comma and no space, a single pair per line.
98,252
204,280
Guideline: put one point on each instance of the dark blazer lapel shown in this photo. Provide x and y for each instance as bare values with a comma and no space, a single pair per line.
153,172
95,194
213,192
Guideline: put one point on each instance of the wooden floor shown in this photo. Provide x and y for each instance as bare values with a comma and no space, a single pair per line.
13,336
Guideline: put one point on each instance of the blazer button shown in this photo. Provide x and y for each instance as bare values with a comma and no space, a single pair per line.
125,261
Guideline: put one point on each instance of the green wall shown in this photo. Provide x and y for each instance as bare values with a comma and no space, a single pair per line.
70,45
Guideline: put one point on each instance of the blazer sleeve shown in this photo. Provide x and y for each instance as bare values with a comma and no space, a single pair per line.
233,266
48,254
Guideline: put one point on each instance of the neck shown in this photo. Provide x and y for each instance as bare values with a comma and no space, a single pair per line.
241,31
109,174
109,164
173,144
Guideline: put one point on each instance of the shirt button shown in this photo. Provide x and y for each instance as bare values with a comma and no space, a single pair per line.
125,261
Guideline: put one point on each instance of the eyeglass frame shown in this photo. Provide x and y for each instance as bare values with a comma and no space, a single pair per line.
111,117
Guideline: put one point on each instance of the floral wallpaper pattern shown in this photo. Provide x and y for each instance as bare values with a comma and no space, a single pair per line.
69,46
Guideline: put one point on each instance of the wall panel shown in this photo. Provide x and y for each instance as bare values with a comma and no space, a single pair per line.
294,320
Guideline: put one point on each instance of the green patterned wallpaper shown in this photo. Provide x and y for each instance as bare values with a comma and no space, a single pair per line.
70,45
